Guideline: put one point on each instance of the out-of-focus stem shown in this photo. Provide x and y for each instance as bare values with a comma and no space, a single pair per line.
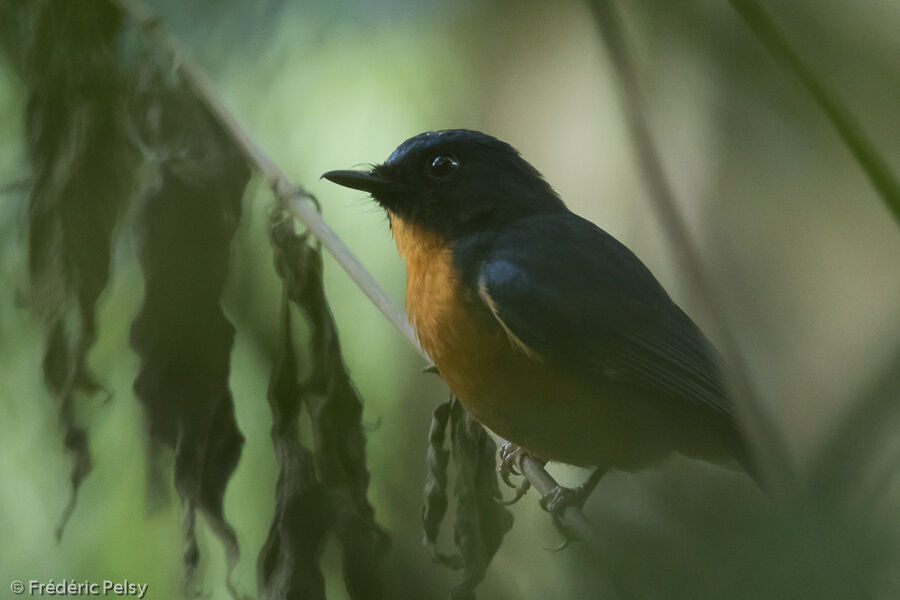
766,445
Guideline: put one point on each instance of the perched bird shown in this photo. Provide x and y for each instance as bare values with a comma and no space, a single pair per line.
552,333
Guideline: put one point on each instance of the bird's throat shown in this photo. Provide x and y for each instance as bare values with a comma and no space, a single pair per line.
432,284
413,240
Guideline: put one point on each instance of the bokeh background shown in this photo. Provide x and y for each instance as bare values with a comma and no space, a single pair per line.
805,253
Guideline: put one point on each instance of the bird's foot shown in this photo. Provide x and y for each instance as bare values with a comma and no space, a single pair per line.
560,498
510,464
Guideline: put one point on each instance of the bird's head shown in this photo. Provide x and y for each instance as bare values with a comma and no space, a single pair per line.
455,182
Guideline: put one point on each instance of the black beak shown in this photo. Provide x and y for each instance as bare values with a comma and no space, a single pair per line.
357,180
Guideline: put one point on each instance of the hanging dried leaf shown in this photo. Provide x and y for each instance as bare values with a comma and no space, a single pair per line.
82,165
336,412
435,507
181,335
481,522
288,564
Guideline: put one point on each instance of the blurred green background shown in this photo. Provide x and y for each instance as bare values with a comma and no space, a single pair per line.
805,252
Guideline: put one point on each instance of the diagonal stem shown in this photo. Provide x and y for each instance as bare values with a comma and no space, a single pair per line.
876,168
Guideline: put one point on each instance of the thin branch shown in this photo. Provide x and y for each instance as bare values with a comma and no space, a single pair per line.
294,198
876,168
765,443
572,516
303,206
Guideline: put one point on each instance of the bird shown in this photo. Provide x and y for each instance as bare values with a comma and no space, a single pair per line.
550,332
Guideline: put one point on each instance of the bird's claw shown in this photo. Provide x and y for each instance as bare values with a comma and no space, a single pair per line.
560,498
510,464
520,491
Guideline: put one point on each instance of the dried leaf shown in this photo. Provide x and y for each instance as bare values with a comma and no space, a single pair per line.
336,411
181,335
481,522
288,564
82,164
435,507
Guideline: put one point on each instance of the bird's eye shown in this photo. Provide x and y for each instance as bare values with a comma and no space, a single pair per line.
443,165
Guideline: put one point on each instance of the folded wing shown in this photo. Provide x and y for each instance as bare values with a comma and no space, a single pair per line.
580,299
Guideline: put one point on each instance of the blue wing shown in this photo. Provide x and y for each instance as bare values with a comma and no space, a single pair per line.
568,293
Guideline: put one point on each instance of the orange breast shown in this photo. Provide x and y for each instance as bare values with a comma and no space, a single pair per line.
497,383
